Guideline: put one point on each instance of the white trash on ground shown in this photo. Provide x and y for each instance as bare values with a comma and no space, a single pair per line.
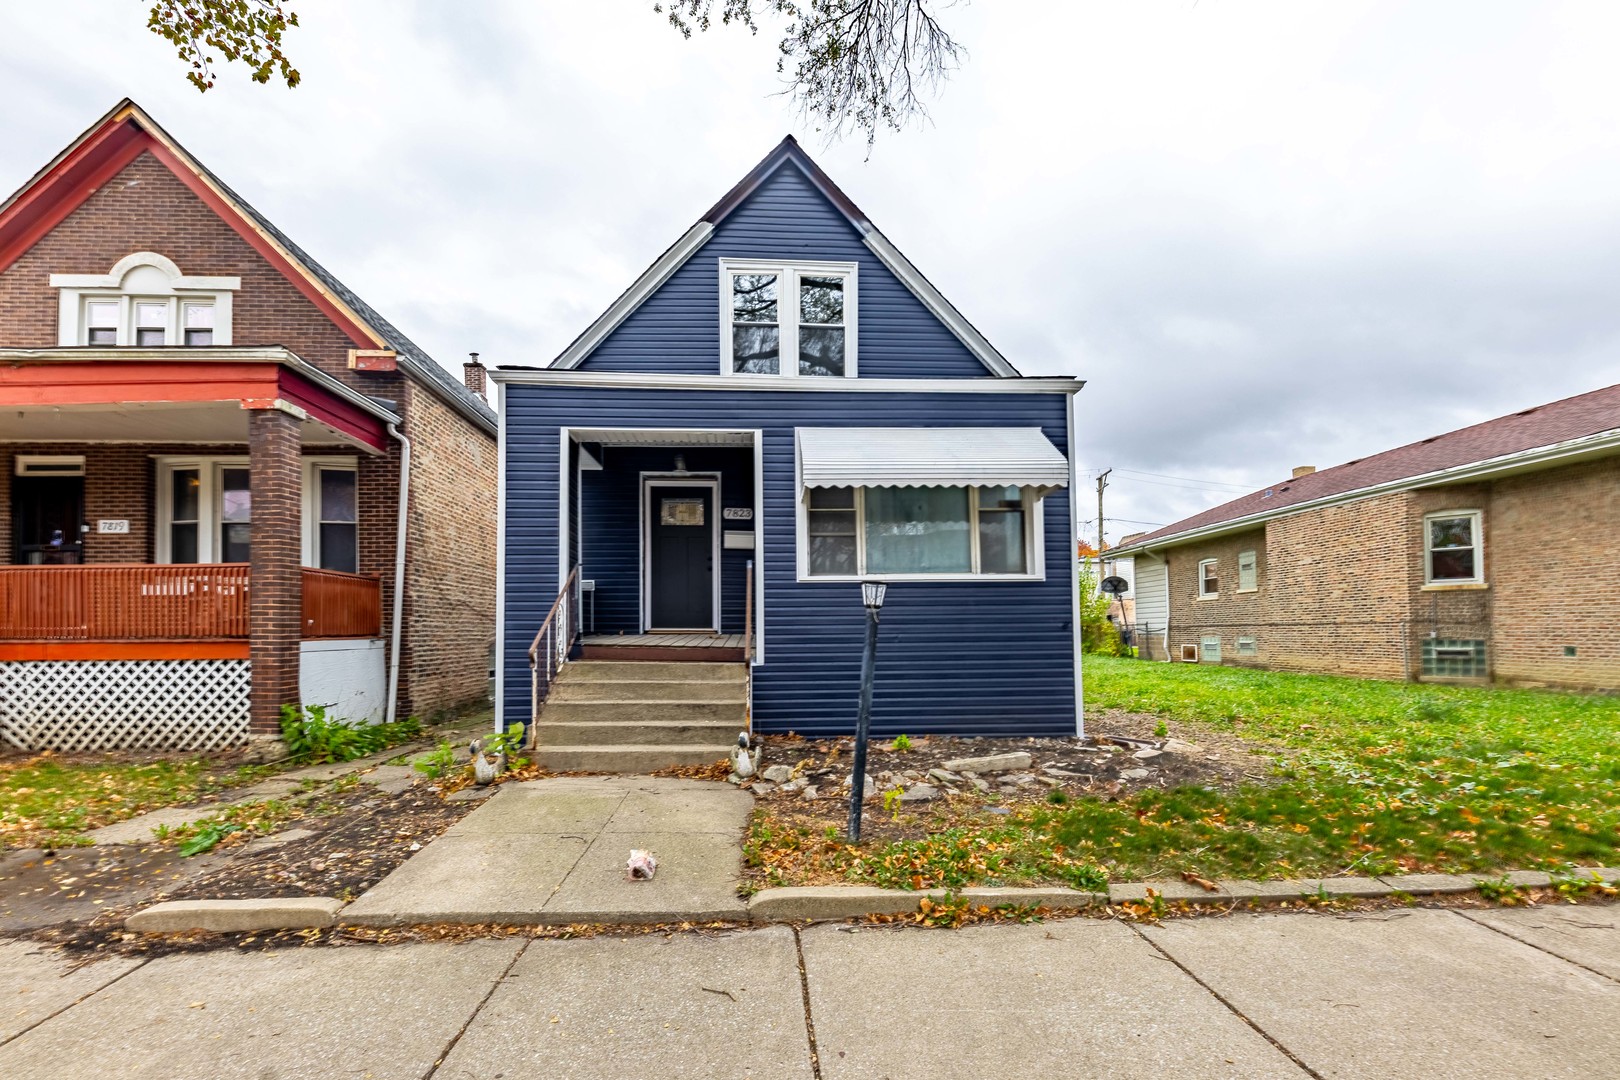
643,864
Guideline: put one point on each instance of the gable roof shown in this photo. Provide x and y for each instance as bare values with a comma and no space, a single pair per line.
787,153
127,131
1544,434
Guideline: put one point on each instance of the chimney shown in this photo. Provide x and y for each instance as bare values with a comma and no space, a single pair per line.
1299,470
474,374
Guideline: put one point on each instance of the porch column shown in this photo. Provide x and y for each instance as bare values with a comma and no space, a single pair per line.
276,606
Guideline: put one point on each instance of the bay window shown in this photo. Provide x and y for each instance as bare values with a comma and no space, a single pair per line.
205,511
787,319
934,531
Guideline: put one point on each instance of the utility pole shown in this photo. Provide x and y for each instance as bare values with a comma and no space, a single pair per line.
1102,482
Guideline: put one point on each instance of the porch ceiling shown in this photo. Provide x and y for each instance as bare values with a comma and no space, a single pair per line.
150,421
647,437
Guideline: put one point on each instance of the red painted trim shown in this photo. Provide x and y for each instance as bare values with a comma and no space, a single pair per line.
333,411
65,186
124,650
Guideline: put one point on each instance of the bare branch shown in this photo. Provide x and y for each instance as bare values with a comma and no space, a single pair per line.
851,64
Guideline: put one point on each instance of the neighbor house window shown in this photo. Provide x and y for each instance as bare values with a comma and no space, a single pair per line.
144,300
925,531
1248,574
151,323
197,323
1209,649
1450,658
101,322
1453,542
788,319
1209,579
337,517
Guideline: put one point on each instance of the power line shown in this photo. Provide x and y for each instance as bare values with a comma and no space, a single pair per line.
1188,479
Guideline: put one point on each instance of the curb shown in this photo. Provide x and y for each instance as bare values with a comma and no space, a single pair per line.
816,903
236,916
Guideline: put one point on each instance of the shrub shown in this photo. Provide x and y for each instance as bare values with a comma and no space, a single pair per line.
1097,634
309,733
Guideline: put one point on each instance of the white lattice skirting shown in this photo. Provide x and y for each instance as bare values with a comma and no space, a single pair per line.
124,704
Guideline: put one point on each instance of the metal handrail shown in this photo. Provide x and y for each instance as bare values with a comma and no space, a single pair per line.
748,646
558,631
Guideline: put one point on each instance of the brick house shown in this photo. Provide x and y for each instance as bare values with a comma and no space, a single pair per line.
1485,554
205,444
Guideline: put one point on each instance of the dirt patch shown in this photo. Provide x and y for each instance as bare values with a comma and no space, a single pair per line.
355,838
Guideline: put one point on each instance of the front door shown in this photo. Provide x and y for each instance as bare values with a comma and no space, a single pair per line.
680,557
48,511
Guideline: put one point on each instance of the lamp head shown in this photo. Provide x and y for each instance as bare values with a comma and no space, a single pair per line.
872,594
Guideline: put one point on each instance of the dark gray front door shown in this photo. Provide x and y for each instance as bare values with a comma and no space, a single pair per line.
681,558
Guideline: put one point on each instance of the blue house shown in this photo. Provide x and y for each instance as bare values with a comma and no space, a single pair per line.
781,407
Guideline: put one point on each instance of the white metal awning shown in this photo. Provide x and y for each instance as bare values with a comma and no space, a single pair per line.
930,457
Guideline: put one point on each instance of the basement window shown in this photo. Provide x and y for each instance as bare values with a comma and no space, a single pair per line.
1453,658
1248,646
1209,649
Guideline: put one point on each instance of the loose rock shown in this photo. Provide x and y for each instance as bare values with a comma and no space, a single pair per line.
1147,755
996,763
778,774
1136,774
920,793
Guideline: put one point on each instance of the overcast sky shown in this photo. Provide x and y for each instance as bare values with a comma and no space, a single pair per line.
1268,233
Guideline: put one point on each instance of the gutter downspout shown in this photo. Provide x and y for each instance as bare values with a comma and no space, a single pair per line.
398,615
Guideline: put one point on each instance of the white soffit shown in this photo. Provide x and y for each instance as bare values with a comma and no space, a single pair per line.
930,457
610,437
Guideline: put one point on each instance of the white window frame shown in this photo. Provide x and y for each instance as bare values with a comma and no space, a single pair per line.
1253,576
787,304
1204,594
208,467
48,465
309,509
1034,540
145,277
1477,517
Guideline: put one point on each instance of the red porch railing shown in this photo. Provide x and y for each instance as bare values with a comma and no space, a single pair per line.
182,602
339,605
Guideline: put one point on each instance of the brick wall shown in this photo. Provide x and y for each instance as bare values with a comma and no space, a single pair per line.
146,208
275,602
450,603
1551,543
1342,588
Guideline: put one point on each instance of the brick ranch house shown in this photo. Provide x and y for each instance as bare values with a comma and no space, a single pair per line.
205,444
1485,554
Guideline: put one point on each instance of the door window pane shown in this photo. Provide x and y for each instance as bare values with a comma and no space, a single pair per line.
917,531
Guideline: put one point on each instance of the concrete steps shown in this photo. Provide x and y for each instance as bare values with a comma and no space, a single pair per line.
637,716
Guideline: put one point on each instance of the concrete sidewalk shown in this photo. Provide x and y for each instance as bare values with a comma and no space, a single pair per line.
554,851
1433,993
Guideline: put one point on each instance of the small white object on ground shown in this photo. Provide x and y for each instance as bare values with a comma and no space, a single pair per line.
643,865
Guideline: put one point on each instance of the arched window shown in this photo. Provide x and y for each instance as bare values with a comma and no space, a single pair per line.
144,301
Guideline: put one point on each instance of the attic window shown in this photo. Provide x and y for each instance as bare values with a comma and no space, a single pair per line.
787,319
144,301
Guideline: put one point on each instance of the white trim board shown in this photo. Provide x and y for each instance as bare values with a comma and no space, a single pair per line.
1024,384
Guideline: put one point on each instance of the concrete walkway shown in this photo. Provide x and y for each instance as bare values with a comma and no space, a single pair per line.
1433,993
554,851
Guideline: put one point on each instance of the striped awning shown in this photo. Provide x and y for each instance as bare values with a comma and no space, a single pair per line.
930,457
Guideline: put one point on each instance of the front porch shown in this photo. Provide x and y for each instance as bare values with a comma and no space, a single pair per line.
188,548
664,647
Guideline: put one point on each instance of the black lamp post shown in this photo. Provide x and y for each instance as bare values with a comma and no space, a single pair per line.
872,597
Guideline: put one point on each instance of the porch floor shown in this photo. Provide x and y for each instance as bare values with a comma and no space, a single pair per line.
662,647
664,641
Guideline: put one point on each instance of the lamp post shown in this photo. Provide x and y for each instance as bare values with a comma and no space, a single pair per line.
872,598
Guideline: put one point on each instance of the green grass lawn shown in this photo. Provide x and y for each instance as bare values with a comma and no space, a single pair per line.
1382,777
1372,777
46,800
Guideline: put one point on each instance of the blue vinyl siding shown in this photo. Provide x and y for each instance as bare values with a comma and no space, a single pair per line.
968,658
611,529
677,329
